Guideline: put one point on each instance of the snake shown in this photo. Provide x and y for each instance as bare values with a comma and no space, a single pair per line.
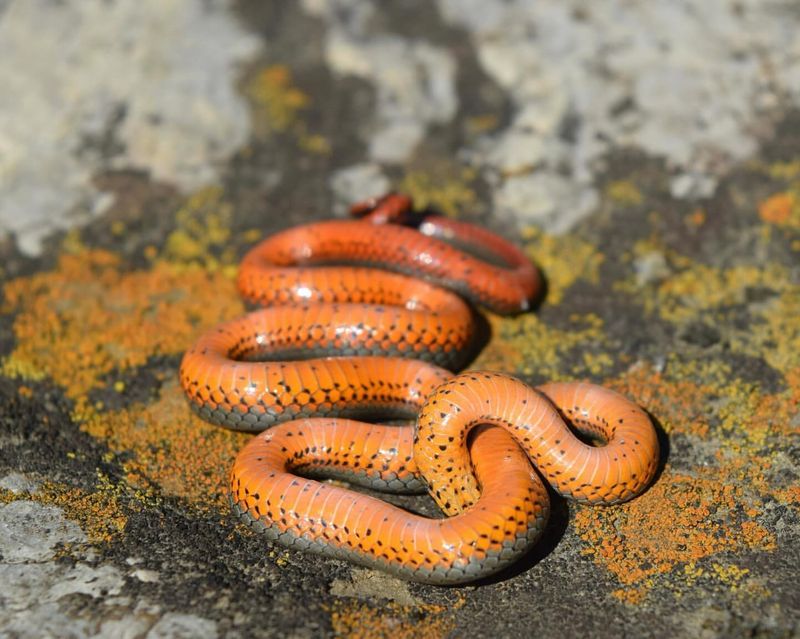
365,319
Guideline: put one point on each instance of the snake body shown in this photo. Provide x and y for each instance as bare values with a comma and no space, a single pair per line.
338,342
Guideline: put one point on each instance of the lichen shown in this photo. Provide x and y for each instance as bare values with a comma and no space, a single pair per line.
682,518
781,209
356,620
88,322
773,332
445,188
87,318
700,288
674,532
526,345
277,106
164,444
275,101
564,259
624,192
102,514
202,227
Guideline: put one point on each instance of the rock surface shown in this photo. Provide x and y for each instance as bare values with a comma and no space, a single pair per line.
646,156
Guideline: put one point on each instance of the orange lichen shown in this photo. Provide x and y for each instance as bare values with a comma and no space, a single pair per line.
632,596
181,453
354,620
696,218
779,208
87,318
685,518
789,495
100,514
679,405
681,519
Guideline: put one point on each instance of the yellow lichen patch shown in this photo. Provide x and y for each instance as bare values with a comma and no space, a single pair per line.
784,170
315,144
782,209
353,620
275,101
699,288
565,259
86,318
775,332
183,455
729,574
726,574
446,189
276,106
682,519
530,346
72,241
624,192
202,224
750,418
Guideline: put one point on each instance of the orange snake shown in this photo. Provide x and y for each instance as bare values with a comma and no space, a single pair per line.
339,342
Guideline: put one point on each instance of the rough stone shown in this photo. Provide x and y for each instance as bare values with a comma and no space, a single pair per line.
414,81
657,147
356,183
17,483
106,85
31,532
585,80
178,626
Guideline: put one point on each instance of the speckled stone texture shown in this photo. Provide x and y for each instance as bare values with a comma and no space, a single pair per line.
646,155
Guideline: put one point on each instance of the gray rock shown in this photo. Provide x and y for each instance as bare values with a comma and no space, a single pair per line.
127,84
585,80
357,182
178,626
18,483
548,200
29,601
414,80
30,531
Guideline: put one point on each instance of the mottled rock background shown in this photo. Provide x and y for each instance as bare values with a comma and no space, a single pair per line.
646,155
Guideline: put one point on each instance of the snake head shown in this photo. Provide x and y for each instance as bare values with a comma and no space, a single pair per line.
391,208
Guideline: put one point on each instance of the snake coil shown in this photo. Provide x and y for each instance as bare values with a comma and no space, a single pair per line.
362,319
